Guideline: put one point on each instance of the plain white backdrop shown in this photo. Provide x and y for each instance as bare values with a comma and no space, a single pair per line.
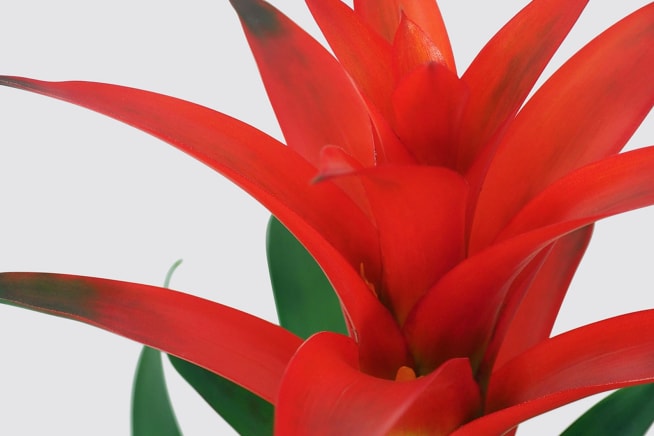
83,194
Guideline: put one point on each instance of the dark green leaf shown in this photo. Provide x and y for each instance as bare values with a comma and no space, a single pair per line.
306,303
152,413
626,412
246,412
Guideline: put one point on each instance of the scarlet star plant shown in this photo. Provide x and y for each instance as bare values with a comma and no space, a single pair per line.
448,217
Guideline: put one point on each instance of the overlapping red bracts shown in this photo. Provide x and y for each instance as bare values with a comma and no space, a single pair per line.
448,218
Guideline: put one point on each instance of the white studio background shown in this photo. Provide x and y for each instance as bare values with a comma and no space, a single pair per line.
83,194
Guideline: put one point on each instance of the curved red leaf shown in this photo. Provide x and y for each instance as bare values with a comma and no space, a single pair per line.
325,392
506,69
247,350
586,111
273,174
314,99
530,319
455,318
262,166
613,185
606,355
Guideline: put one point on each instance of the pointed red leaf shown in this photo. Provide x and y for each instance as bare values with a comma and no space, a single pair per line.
362,52
265,168
533,318
606,355
314,99
367,59
325,392
427,108
455,318
384,16
390,149
412,49
613,185
586,111
419,212
517,288
278,178
506,69
242,348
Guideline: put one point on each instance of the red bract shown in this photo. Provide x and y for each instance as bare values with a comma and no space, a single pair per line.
448,214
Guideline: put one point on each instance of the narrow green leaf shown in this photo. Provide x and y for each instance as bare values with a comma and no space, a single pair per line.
306,302
170,272
246,412
626,412
152,413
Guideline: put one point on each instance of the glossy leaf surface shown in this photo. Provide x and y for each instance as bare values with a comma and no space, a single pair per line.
306,302
626,412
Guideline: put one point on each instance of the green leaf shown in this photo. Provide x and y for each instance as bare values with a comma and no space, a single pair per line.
626,412
152,413
306,302
246,412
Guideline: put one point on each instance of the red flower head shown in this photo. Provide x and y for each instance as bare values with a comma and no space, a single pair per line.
448,215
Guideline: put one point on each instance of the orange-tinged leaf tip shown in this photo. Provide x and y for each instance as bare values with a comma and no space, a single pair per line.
259,17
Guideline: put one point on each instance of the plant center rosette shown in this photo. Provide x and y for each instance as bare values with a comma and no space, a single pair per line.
463,215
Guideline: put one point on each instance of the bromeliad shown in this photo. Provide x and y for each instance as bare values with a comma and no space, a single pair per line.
448,215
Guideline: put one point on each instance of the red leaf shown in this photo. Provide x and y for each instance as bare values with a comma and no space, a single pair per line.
415,256
324,392
506,69
264,167
455,318
247,350
362,52
606,355
533,318
427,108
314,99
586,111
611,186
384,16
412,49
278,178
